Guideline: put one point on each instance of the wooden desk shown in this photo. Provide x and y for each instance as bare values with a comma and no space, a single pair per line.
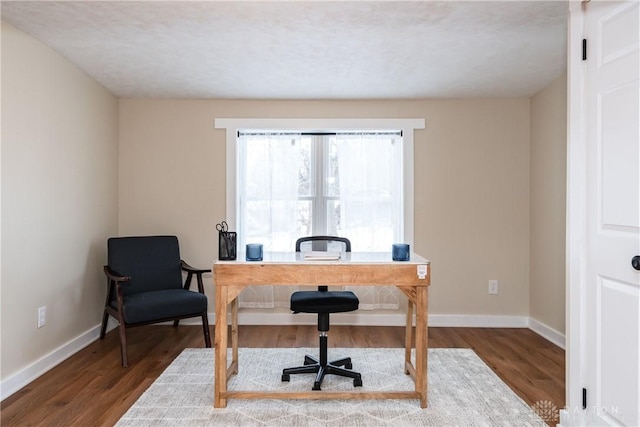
355,269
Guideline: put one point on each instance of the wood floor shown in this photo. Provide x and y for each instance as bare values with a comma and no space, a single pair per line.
92,389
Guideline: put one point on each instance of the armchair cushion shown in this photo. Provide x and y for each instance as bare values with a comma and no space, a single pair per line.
164,304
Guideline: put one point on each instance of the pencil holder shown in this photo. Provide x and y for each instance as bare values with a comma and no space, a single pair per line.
226,245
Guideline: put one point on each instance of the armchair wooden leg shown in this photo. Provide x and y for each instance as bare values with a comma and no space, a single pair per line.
123,344
175,323
105,320
205,327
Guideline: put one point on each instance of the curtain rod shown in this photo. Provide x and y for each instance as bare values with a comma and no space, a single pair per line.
266,133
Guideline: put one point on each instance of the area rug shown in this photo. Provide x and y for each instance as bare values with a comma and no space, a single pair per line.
463,391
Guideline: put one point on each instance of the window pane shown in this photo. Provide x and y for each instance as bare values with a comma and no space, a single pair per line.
305,218
276,234
370,225
270,177
333,227
369,176
271,162
332,180
307,174
267,221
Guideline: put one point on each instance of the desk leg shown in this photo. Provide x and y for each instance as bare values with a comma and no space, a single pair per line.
421,344
408,334
220,386
234,335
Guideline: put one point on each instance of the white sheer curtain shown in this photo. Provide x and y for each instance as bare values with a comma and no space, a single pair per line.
268,189
288,190
371,205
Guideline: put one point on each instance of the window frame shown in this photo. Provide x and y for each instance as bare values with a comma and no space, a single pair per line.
407,126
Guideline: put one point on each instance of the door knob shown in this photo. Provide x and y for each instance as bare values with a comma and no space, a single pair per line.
635,262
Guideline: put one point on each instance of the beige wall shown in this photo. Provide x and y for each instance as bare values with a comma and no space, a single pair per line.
548,200
59,198
471,174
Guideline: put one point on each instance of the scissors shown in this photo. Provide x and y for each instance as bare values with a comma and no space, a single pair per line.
223,227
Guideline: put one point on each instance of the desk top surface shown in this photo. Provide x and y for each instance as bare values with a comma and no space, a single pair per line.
345,258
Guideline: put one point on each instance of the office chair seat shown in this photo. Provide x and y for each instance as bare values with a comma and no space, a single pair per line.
323,302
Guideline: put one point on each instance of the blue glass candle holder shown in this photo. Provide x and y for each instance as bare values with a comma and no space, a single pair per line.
400,252
254,252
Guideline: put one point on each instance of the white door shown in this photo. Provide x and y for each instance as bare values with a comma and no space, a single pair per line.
613,213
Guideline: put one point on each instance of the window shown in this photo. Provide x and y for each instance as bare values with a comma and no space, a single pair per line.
301,184
292,177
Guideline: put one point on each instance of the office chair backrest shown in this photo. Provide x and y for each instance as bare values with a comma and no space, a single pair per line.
152,262
323,243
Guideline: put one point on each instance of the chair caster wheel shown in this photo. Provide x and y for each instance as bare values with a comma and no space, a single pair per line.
348,366
286,377
357,382
316,387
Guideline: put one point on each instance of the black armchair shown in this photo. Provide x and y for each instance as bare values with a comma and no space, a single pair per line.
323,302
144,280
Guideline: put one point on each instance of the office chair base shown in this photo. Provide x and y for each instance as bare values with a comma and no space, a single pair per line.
313,366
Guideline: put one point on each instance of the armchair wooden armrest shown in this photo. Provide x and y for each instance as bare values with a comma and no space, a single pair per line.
190,272
115,276
186,267
117,279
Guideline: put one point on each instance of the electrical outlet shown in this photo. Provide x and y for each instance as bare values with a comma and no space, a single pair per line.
493,287
42,316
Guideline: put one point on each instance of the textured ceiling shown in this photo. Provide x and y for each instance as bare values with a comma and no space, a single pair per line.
305,49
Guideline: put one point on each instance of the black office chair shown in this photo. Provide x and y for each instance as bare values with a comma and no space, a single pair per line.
144,280
323,302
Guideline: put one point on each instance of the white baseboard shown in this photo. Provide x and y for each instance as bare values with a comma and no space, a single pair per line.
23,377
547,333
477,321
